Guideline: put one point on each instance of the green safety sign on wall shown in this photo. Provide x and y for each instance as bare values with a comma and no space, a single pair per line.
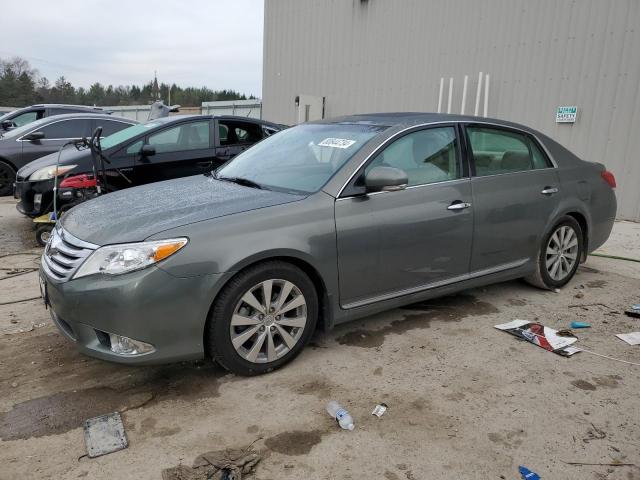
566,114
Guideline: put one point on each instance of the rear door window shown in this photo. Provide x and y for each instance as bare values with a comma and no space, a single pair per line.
496,151
233,132
67,129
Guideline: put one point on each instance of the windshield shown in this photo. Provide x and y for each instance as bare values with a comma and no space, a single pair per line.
16,132
126,134
301,158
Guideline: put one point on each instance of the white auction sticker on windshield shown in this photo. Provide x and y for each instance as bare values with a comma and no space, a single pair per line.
336,143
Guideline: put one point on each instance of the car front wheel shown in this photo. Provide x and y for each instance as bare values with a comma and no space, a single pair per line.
559,255
262,318
7,177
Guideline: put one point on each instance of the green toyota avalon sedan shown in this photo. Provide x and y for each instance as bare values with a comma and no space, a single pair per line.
317,225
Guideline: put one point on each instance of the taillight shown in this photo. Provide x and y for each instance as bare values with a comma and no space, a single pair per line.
608,177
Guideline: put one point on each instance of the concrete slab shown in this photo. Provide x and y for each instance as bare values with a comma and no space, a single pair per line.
465,400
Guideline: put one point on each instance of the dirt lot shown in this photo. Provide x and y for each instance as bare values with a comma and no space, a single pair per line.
465,400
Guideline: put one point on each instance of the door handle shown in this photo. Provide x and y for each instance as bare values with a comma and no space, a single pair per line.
458,205
205,163
549,190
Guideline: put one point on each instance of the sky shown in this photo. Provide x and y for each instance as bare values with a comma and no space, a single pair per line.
212,43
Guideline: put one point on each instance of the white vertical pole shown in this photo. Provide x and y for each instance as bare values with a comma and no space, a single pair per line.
464,94
440,94
450,95
478,95
486,95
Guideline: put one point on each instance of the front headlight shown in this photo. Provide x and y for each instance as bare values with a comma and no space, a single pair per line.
127,257
47,173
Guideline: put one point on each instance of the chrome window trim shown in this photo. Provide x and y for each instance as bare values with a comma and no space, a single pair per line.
440,283
417,126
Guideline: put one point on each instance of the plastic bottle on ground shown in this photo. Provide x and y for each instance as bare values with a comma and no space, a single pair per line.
340,414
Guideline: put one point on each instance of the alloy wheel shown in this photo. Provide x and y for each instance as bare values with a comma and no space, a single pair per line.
268,321
562,253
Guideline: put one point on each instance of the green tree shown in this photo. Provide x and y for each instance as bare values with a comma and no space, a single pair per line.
20,85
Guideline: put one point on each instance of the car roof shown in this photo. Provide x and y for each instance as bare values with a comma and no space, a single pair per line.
87,115
175,118
399,119
64,105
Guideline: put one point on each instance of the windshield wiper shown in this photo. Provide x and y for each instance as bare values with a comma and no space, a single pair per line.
245,182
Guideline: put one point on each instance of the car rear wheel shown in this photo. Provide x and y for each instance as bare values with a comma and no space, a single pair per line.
559,255
7,177
263,318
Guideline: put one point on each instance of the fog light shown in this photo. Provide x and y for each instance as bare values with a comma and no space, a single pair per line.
37,200
128,346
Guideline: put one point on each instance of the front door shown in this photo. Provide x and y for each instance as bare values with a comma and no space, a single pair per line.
394,243
56,134
180,151
515,190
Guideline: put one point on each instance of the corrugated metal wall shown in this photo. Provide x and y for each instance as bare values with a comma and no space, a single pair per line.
389,55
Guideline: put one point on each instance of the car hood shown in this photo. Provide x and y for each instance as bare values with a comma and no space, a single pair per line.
68,156
134,214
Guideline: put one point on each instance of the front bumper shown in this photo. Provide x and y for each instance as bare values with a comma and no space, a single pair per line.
26,191
149,305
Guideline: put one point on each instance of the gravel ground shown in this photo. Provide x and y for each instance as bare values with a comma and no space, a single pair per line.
465,400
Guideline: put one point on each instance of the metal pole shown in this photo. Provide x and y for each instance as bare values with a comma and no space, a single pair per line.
478,91
486,95
450,94
464,94
440,94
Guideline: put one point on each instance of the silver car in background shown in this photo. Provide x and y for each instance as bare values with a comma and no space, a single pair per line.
317,225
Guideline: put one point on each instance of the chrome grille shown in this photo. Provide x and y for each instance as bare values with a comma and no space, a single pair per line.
63,254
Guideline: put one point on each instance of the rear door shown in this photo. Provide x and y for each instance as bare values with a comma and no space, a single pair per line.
181,150
397,242
515,188
56,134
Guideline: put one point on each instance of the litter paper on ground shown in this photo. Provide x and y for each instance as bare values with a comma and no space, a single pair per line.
539,335
104,434
379,410
632,338
217,465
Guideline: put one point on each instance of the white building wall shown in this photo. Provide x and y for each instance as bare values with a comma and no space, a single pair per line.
389,55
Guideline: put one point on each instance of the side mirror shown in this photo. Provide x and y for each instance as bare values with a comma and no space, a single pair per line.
386,179
148,150
34,136
6,125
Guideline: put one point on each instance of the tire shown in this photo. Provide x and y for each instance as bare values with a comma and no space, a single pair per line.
555,270
241,337
7,177
43,232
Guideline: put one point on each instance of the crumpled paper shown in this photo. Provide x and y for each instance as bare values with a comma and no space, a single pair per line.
228,464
